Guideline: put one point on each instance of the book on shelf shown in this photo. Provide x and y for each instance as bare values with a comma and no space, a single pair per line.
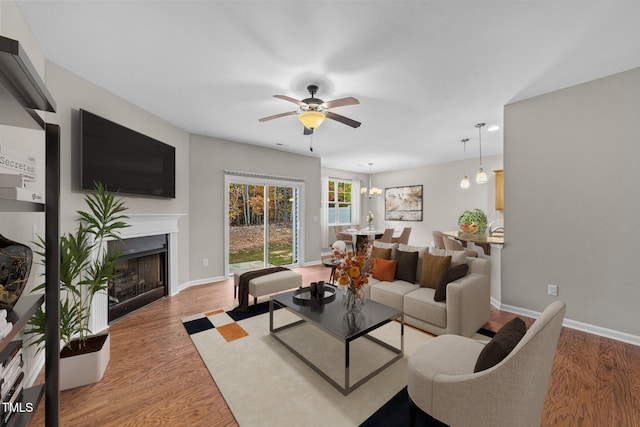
14,395
14,161
6,330
22,194
12,180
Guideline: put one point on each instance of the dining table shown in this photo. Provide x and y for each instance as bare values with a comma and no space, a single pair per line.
363,235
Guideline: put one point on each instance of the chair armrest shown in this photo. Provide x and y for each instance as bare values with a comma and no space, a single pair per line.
468,304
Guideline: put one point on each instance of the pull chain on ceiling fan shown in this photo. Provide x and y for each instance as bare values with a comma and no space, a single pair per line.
314,111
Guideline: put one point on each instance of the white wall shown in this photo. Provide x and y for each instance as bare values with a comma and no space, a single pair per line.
443,199
572,197
210,157
73,93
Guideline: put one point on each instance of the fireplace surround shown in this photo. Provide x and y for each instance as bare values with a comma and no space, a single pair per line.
144,225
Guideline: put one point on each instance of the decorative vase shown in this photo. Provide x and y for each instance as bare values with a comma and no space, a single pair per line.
15,265
352,322
353,300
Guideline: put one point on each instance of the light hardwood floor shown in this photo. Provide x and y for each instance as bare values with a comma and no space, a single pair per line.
156,377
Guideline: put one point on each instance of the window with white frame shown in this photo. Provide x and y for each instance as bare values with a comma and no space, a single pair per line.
339,202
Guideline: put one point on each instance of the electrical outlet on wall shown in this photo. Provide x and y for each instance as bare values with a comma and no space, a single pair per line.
552,290
205,262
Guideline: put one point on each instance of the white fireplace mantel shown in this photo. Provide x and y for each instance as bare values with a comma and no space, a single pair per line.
141,225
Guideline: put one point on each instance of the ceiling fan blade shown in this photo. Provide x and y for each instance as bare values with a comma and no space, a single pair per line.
288,98
341,102
277,116
307,131
342,119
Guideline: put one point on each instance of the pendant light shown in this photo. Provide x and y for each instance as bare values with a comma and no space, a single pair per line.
373,191
464,184
481,176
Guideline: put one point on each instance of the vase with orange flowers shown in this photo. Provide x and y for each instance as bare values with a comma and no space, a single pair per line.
352,275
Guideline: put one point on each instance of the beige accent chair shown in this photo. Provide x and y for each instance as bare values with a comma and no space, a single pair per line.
442,383
387,235
454,245
403,238
438,239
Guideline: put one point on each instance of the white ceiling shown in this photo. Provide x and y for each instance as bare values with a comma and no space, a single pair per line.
425,72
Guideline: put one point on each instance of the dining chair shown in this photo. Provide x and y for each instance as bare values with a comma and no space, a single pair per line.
454,245
387,235
345,237
403,238
438,239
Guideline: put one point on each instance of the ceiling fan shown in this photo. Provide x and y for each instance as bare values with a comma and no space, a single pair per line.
315,110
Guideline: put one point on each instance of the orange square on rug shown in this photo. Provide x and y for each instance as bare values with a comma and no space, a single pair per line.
232,331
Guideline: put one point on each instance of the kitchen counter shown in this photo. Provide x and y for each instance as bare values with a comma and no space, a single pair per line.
479,239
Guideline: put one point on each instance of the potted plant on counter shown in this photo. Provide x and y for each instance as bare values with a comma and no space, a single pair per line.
86,267
474,221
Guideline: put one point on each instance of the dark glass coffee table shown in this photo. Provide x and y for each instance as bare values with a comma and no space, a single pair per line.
330,318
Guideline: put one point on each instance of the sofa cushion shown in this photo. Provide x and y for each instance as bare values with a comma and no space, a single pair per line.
421,250
501,345
420,304
384,253
406,265
451,273
384,269
385,245
432,269
391,293
457,257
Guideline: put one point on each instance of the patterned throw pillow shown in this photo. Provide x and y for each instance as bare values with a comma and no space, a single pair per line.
432,269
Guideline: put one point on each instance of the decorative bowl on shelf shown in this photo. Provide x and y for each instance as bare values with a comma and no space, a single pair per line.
469,228
15,265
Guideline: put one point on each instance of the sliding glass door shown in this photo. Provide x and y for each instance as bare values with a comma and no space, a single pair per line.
262,223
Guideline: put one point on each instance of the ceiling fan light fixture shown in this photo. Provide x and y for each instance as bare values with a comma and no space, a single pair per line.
311,119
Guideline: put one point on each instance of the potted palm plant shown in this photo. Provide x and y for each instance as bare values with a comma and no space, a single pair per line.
86,267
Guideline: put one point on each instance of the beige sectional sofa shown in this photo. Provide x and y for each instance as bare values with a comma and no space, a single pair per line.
467,305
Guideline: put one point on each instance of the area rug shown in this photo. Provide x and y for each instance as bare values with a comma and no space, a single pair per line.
265,384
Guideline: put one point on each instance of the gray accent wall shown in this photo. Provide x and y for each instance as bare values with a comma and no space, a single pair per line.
572,198
210,157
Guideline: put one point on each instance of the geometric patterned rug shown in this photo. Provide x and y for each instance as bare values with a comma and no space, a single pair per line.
264,384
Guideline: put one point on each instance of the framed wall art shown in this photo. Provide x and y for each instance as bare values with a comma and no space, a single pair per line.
403,203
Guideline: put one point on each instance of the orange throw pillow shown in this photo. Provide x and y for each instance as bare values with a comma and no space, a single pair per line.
432,268
384,269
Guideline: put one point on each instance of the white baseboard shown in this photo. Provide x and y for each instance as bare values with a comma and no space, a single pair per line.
38,364
204,281
312,263
580,326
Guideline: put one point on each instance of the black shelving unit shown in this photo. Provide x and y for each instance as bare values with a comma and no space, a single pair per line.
22,92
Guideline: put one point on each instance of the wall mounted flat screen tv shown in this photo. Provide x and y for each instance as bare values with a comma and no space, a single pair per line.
124,160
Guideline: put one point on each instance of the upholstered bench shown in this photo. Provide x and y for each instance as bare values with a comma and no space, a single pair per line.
269,284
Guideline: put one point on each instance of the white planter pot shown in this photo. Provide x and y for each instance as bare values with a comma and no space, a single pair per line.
76,371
